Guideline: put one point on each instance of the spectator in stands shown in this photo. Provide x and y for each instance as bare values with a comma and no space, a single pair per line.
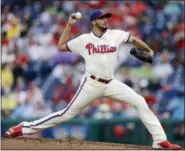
41,110
34,94
24,107
117,110
144,71
14,31
58,100
163,68
176,106
150,99
103,112
7,78
9,103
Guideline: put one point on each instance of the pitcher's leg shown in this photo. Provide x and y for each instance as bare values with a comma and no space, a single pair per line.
121,92
80,100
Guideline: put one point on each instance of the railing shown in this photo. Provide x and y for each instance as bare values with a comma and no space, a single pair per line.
129,131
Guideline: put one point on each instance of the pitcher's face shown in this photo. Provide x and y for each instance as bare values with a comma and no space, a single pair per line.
101,23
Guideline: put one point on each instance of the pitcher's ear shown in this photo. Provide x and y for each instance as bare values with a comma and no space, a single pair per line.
93,22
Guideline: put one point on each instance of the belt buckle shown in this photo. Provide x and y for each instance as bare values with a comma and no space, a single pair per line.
96,78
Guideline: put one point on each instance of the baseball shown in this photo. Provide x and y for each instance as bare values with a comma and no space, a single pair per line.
78,15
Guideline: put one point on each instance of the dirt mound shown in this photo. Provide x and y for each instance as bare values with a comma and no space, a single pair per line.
46,144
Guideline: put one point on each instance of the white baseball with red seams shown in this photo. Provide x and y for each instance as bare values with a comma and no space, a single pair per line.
100,54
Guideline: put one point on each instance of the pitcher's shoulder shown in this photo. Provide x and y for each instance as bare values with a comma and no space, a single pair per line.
113,31
85,35
118,32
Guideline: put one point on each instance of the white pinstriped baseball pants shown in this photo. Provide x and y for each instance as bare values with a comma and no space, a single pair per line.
89,91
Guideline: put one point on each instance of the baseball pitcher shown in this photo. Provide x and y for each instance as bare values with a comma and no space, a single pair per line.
100,48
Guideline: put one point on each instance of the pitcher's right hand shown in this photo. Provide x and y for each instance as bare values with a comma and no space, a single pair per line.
72,19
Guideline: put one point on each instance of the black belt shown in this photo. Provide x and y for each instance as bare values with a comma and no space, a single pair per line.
100,80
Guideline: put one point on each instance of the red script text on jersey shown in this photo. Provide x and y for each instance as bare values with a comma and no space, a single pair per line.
99,49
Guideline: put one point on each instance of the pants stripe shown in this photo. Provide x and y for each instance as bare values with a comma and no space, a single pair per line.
67,108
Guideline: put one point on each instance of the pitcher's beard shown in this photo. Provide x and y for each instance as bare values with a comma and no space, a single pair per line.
103,29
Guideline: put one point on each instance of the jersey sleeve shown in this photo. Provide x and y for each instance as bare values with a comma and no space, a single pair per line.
75,45
122,36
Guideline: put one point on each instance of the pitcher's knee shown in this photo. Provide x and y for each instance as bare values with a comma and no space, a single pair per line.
70,114
141,102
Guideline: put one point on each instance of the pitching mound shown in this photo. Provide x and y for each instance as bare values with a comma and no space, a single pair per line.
46,144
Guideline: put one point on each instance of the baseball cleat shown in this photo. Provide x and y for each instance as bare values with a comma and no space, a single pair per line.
166,145
14,131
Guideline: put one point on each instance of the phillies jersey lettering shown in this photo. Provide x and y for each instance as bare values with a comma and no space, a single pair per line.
107,46
99,49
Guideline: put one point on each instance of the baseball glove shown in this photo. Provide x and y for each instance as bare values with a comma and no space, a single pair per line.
141,55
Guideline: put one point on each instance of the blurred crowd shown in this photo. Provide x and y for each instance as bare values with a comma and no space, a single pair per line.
37,79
